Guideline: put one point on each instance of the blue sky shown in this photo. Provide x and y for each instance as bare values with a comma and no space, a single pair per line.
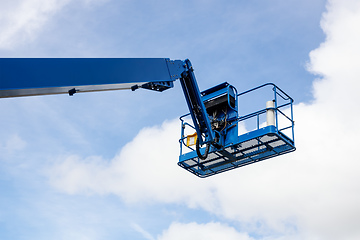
104,165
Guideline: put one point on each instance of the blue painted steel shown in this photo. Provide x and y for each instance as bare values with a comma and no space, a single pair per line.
214,91
176,68
253,146
196,105
37,76
221,106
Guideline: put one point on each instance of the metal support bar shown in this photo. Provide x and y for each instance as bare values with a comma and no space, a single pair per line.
196,106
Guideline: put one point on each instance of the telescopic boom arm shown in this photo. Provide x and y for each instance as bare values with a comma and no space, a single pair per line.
42,76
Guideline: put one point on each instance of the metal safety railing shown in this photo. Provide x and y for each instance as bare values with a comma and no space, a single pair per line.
279,109
283,110
182,141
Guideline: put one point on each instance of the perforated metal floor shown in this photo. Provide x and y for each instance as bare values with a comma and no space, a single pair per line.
251,147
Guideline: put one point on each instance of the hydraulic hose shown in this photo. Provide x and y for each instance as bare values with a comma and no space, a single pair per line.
202,156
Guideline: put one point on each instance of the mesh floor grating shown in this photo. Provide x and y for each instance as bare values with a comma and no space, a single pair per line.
251,147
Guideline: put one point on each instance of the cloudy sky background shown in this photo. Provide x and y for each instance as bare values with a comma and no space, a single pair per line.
103,165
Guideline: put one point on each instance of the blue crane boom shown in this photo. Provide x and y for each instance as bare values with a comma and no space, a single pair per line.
213,112
41,76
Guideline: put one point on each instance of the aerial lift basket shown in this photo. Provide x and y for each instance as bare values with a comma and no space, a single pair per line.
272,137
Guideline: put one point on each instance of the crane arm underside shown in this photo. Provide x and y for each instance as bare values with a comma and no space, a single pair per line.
44,76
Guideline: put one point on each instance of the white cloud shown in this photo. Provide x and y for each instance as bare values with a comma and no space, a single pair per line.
209,231
338,58
14,143
22,20
312,193
142,231
144,170
10,146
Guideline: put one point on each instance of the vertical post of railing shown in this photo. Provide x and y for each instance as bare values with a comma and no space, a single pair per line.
276,112
182,135
292,120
